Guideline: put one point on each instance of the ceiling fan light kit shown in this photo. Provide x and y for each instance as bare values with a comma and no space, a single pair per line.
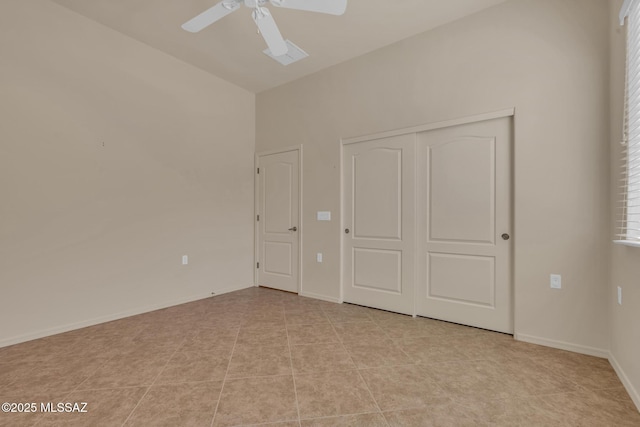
278,47
294,54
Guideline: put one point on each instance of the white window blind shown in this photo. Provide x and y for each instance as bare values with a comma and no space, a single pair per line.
629,209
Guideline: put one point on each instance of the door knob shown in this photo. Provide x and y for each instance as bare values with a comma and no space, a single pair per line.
346,230
505,236
293,228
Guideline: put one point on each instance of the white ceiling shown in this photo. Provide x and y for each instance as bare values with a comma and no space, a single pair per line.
232,49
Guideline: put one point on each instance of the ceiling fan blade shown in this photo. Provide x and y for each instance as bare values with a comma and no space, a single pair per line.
270,31
210,16
332,7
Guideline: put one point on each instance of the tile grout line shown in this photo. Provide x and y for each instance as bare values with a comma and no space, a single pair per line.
359,373
395,343
42,416
154,381
413,363
76,388
224,380
328,417
293,376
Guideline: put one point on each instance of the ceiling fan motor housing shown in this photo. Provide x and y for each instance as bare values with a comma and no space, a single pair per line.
254,3
231,4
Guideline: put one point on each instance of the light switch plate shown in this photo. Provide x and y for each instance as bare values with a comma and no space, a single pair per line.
324,216
319,257
556,281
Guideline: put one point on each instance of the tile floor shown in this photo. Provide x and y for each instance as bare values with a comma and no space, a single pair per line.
264,357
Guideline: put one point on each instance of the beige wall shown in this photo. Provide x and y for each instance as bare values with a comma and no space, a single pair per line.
546,58
91,232
625,261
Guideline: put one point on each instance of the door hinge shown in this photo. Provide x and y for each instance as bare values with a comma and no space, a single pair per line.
258,265
258,170
258,218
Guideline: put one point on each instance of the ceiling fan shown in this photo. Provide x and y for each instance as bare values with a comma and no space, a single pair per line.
262,17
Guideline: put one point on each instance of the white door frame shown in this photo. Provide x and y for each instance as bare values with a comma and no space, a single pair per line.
509,112
256,205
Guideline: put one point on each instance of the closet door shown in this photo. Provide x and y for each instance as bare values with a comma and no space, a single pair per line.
379,223
465,224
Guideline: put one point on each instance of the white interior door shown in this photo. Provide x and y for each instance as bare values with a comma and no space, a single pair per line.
465,222
278,220
379,221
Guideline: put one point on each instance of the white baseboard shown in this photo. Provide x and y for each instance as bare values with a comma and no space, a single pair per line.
563,345
633,393
108,318
231,289
318,296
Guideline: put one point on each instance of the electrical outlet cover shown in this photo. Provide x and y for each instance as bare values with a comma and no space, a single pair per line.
619,295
